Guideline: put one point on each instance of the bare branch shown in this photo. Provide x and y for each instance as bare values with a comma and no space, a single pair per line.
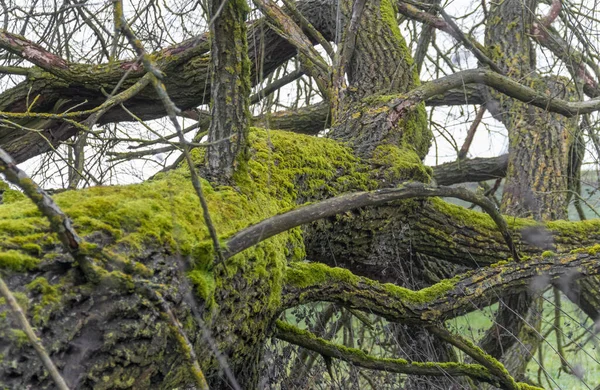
283,222
471,170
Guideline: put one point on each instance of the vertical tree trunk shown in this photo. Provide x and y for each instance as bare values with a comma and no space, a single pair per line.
537,179
230,87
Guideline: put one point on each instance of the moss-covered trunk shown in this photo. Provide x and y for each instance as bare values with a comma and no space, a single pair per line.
107,333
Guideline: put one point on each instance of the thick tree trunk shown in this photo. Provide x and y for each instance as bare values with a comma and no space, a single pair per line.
107,333
537,177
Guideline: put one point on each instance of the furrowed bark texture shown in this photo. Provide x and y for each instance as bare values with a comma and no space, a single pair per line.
537,177
109,335
230,87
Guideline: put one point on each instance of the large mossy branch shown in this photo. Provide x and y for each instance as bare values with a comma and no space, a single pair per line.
285,171
314,282
359,358
462,236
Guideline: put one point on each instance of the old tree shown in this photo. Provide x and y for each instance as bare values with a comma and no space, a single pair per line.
268,258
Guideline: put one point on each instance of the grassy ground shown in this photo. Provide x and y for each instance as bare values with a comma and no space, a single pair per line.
582,352
582,349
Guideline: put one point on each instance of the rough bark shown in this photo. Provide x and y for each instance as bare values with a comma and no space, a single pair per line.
106,333
538,169
230,88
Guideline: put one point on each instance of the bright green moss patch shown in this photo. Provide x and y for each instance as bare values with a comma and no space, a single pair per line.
304,275
500,263
21,226
18,337
400,163
204,283
17,261
548,254
592,250
479,219
423,295
11,196
33,249
574,229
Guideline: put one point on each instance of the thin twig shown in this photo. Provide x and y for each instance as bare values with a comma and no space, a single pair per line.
31,336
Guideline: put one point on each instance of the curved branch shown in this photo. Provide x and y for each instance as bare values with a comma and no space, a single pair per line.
314,282
359,358
283,222
493,365
502,84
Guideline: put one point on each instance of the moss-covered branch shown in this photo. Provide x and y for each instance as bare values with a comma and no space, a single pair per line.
311,282
359,358
493,365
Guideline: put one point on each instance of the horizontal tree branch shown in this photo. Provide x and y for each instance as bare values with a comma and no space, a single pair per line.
470,170
315,282
502,84
359,358
283,222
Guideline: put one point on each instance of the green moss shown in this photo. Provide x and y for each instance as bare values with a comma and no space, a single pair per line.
591,250
11,196
204,283
32,248
475,218
17,261
388,16
424,295
18,337
284,170
400,163
48,303
574,229
304,275
526,386
547,254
